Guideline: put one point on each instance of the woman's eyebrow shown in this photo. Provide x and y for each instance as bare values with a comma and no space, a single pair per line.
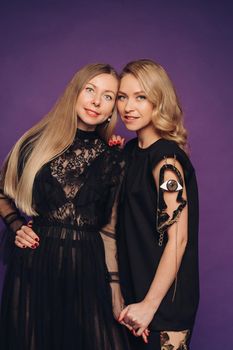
139,92
135,93
110,91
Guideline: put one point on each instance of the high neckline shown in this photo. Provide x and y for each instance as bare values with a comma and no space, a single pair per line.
86,135
139,149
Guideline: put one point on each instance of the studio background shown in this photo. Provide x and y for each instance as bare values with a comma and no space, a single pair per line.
43,43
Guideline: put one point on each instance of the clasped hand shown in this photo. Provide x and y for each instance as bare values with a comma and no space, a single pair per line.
137,317
25,237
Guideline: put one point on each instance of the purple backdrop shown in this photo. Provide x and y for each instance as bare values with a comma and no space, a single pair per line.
42,45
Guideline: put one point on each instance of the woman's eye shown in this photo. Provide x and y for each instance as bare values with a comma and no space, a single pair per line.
89,89
108,97
141,97
171,186
120,97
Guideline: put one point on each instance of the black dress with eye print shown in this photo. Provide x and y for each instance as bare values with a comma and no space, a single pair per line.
59,295
139,249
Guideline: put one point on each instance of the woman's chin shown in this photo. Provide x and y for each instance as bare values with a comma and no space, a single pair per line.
131,127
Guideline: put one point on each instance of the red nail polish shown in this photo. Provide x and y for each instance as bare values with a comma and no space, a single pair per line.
114,142
37,239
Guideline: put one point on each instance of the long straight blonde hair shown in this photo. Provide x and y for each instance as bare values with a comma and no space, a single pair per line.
50,137
167,114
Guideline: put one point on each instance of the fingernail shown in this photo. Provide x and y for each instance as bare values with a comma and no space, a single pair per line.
37,239
34,246
114,142
24,246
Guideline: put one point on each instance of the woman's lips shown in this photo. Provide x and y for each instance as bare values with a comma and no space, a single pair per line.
130,118
91,113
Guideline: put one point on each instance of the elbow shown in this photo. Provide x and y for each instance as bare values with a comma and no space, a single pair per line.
182,243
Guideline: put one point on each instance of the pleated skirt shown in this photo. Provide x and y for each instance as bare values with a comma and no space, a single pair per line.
58,297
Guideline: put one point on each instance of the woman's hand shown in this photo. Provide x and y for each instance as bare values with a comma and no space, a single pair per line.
138,317
26,238
118,306
116,140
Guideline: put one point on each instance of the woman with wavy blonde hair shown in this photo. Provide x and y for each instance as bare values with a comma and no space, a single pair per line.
158,215
61,282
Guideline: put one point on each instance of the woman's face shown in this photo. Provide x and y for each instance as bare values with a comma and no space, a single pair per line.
134,108
96,101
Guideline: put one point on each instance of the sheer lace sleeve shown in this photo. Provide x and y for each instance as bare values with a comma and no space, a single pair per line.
108,233
115,170
8,211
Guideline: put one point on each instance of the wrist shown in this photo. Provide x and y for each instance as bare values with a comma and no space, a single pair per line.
151,303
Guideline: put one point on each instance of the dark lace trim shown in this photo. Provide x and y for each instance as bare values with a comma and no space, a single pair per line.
13,220
113,277
10,218
108,234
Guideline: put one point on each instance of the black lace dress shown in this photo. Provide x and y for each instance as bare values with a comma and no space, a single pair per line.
59,295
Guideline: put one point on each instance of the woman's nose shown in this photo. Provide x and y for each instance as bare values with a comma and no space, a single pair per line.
96,101
129,106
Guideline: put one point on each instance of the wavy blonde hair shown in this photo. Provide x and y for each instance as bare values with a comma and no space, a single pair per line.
50,137
167,114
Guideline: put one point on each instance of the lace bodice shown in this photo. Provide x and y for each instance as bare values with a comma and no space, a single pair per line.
69,167
79,186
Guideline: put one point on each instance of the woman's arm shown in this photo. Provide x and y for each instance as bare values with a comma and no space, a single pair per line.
108,234
175,247
142,313
8,211
24,235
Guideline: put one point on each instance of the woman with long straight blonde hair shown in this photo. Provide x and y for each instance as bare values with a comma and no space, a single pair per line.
158,215
61,288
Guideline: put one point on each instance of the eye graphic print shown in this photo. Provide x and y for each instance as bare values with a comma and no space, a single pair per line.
171,186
